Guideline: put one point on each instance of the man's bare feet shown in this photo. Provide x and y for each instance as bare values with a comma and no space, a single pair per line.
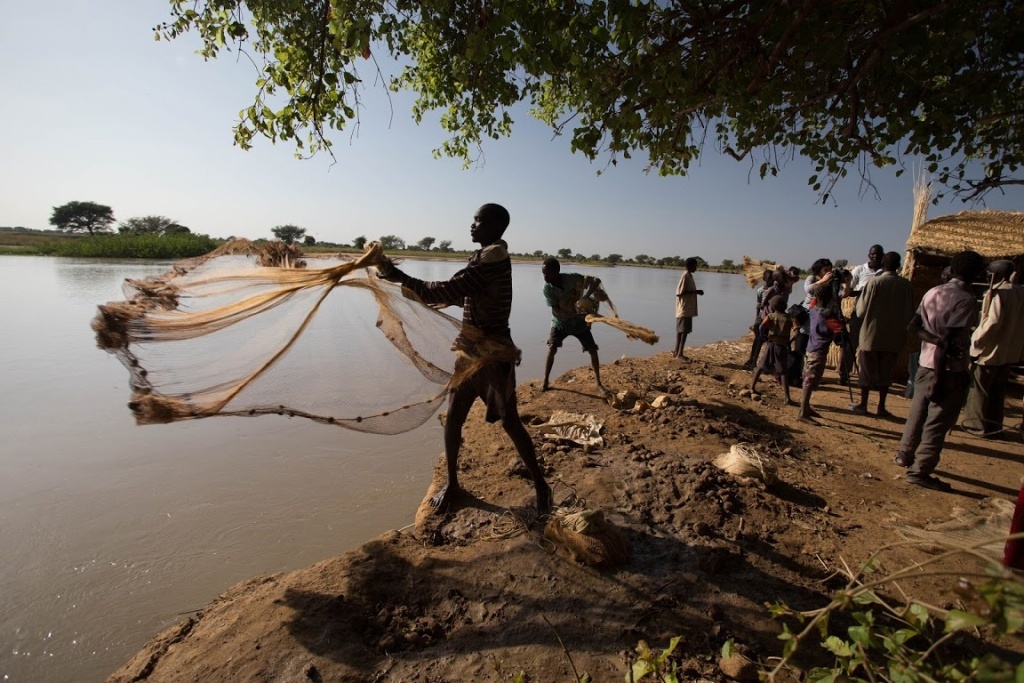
807,419
442,500
544,387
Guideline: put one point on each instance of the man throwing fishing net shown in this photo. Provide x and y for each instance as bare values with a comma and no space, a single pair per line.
485,367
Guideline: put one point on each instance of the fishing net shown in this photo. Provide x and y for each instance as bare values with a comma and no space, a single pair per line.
589,537
744,460
589,305
984,527
254,331
579,428
263,329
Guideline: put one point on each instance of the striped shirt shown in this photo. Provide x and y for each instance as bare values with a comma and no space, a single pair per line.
483,287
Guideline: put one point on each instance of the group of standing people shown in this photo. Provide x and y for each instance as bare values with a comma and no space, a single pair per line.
966,354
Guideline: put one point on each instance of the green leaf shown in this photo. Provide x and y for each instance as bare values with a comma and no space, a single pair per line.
958,620
918,615
640,669
866,598
837,646
902,635
861,635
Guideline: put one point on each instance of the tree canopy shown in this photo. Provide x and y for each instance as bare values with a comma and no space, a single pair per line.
391,242
844,83
151,225
82,217
288,233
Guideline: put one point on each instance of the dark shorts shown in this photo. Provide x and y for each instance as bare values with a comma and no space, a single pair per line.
814,367
495,385
585,336
775,359
875,368
684,325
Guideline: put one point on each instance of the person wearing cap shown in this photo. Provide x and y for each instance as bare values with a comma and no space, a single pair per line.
996,345
884,308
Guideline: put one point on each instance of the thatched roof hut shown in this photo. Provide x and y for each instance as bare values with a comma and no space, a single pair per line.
932,243
993,234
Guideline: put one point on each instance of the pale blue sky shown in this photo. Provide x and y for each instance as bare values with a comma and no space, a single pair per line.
96,110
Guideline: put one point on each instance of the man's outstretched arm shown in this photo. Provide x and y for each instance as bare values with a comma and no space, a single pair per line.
466,282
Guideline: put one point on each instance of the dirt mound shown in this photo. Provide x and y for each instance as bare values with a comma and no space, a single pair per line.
480,594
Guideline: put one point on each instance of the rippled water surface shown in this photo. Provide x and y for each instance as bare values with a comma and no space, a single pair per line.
110,531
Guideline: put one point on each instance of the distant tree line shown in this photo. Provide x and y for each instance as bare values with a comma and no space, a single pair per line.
291,233
95,218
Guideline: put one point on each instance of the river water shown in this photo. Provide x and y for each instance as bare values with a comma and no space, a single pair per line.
110,531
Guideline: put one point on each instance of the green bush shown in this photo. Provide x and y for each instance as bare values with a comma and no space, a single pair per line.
176,246
904,640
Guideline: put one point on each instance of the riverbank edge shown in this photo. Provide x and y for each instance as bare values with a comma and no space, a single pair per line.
367,614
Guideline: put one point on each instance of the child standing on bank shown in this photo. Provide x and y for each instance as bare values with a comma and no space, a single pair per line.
826,321
775,328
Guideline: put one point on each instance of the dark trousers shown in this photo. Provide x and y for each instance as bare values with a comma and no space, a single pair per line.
796,359
986,400
929,421
848,355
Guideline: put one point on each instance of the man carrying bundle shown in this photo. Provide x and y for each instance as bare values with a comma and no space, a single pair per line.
562,292
484,289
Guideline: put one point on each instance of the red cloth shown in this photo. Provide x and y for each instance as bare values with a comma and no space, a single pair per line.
1013,552
834,324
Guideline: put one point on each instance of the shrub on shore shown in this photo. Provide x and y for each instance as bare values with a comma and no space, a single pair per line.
132,246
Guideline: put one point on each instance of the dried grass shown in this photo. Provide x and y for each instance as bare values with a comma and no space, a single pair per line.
753,270
993,234
744,460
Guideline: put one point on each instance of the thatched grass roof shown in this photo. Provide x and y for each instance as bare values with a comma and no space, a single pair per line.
993,234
